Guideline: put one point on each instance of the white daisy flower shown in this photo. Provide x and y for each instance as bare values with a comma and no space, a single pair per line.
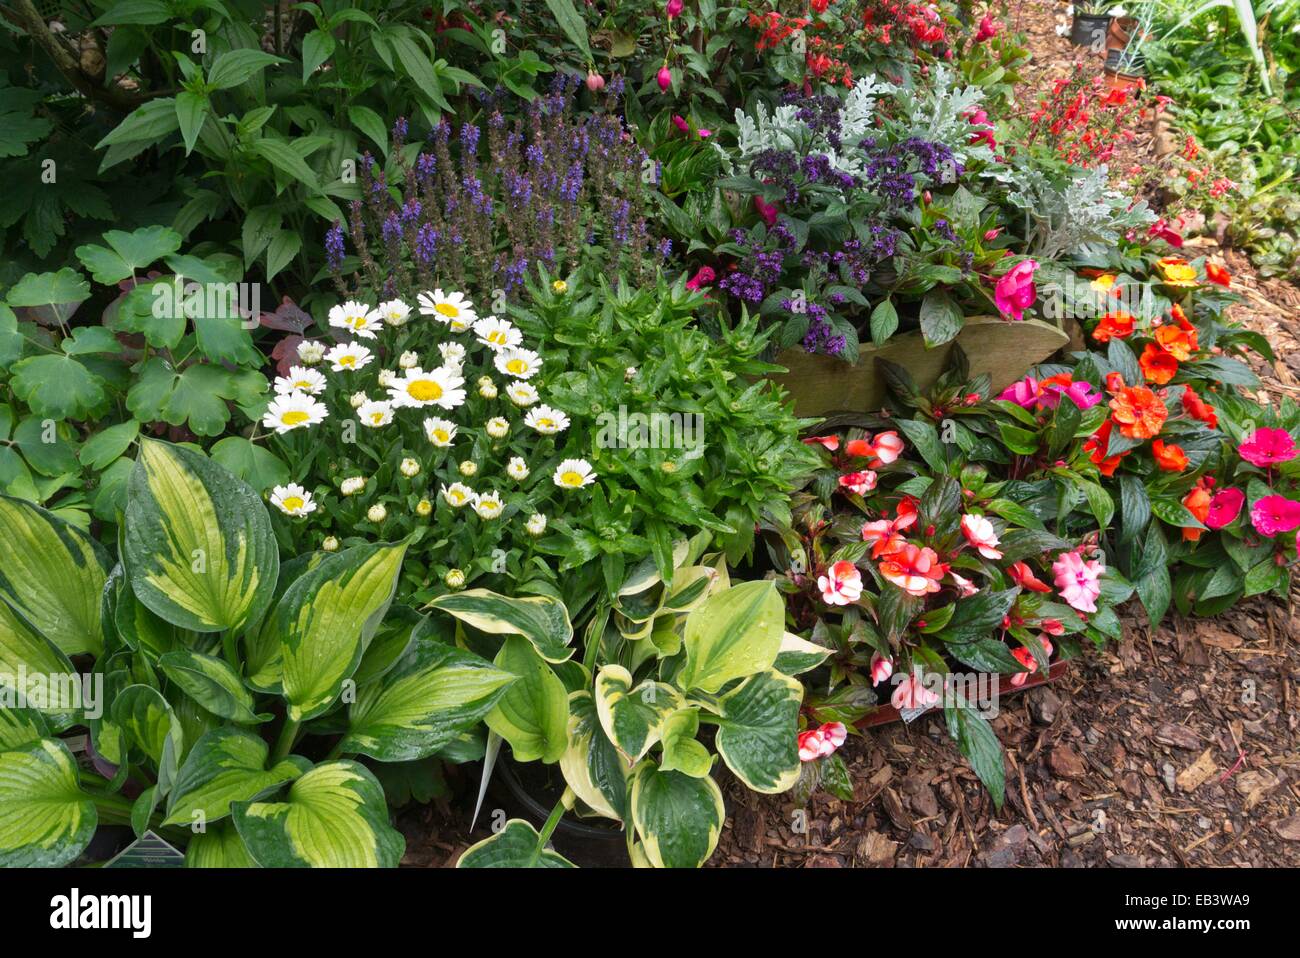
347,356
489,505
408,359
440,432
517,469
437,387
293,410
457,494
356,317
394,312
292,500
452,309
497,427
522,393
352,485
536,524
520,363
409,468
310,381
310,352
546,420
574,474
377,513
376,413
497,333
452,353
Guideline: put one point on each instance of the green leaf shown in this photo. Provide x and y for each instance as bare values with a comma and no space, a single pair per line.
128,252
572,23
27,653
64,288
976,740
192,111
681,752
368,122
677,817
256,465
285,158
149,722
317,47
533,714
517,845
58,387
592,765
941,318
195,397
46,821
104,448
633,718
334,816
20,727
734,633
542,620
884,321
284,247
226,765
758,731
237,66
213,684
149,123
798,656
219,847
198,545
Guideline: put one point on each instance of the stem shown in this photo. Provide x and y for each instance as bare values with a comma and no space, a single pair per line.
545,835
284,743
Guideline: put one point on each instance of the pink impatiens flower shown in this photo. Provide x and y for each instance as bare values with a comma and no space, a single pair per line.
859,482
703,277
768,212
841,585
881,668
819,742
1015,292
965,586
1267,447
810,745
1224,508
911,693
1025,393
1026,658
1274,514
979,532
1078,580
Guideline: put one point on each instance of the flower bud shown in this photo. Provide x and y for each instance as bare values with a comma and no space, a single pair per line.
377,513
454,578
409,468
330,544
595,82
664,78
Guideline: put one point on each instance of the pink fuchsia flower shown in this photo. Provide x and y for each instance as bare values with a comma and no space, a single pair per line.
767,211
841,585
988,29
673,8
703,277
595,82
881,668
810,745
1024,577
1267,447
1224,508
980,533
1274,514
991,235
1026,658
965,586
681,124
859,482
1015,291
664,78
1079,580
911,693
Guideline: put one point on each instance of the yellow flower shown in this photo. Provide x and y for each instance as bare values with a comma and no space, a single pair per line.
560,287
1176,271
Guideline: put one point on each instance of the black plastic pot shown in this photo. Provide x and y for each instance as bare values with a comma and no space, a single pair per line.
530,791
1134,65
1089,30
107,841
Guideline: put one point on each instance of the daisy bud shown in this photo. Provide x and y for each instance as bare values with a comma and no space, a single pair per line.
330,544
487,388
536,524
559,287
410,468
629,374
468,468
497,427
377,513
408,359
517,469
310,353
352,485
454,578
386,377
424,508
357,400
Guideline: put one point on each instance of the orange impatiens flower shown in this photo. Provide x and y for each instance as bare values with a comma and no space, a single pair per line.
1177,341
1157,365
1096,449
1176,271
1169,457
1139,412
1198,408
1176,313
1117,323
1198,504
1217,274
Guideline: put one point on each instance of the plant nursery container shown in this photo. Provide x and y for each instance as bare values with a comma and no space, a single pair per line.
1090,30
886,714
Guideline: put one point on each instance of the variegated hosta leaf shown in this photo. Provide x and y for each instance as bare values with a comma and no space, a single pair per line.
433,694
21,727
45,818
263,660
219,847
327,618
515,846
542,620
198,546
682,753
677,817
212,683
732,634
798,656
645,574
226,765
334,816
691,587
633,718
148,721
53,574
533,713
758,731
33,662
592,765
137,627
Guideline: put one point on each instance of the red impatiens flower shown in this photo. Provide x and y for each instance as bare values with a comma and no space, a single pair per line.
914,569
1197,502
1024,577
1274,514
830,442
1118,324
1097,446
1217,274
1225,507
1157,365
1168,456
1198,408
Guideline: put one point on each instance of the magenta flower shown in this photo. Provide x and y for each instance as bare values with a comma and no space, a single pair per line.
1078,580
1015,292
1081,393
1025,393
1268,447
1274,514
673,8
1224,508
768,211
664,78
988,29
703,277
681,124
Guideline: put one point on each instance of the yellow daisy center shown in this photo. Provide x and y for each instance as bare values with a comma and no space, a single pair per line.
347,360
441,435
571,478
424,390
302,384
546,423
358,322
516,366
294,417
497,337
448,310
293,503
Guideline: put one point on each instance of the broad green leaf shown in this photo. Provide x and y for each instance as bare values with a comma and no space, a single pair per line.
732,634
317,47
334,816
236,66
66,288
20,727
592,765
758,731
682,753
533,714
192,111
678,818
633,718
326,619
213,684
941,318
195,396
433,694
198,548
128,252
219,847
286,159
45,819
53,575
104,448
542,620
976,740
148,721
26,653
58,387
257,466
518,845
798,656
226,765
572,23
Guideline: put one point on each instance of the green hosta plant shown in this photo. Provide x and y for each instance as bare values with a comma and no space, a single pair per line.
678,675
235,701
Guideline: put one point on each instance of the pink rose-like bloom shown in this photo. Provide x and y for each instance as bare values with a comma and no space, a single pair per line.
1081,394
1224,508
911,693
965,586
979,532
881,668
664,78
990,235
819,742
988,29
859,482
1274,514
703,277
673,8
767,211
1267,447
842,584
1078,580
810,745
1015,292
